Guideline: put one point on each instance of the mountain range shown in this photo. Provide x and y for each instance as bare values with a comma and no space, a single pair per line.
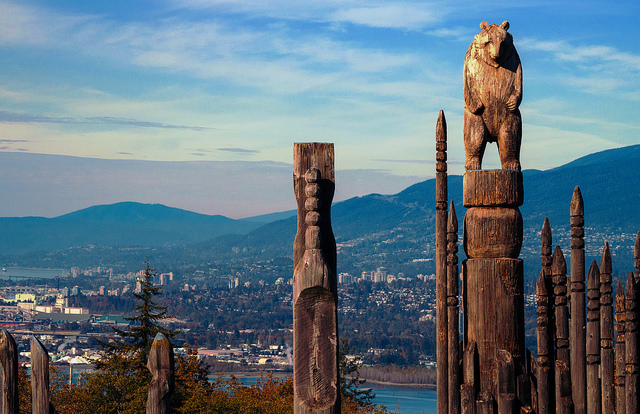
396,231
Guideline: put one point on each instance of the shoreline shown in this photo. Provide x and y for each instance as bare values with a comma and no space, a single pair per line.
280,375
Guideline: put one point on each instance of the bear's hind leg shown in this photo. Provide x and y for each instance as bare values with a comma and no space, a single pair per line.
509,140
474,141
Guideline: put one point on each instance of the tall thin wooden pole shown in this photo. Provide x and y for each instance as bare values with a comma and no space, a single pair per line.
546,251
563,400
631,346
621,365
543,332
160,364
441,266
594,395
8,374
315,295
452,314
577,322
636,256
606,332
39,378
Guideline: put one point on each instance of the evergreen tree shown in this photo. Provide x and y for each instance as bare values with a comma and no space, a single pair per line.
120,382
134,343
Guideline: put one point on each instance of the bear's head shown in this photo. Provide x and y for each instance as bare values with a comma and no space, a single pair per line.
493,44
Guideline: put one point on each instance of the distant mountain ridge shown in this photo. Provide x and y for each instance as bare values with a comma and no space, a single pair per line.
121,224
396,231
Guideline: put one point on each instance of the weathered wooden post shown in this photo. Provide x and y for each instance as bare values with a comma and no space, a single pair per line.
621,365
563,401
606,332
636,256
8,374
631,346
160,364
452,314
577,324
594,393
545,393
492,230
315,296
546,259
442,336
40,379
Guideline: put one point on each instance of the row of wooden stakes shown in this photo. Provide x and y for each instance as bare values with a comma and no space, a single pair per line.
581,366
160,363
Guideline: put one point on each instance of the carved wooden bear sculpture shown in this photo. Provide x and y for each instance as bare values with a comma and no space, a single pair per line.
492,94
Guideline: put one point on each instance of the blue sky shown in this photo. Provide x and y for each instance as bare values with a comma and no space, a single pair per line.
241,81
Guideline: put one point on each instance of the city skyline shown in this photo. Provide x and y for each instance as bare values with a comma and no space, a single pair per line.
236,83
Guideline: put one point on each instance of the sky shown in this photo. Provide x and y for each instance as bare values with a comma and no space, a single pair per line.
236,83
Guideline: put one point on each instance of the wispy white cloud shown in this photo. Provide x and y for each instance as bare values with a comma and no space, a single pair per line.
406,15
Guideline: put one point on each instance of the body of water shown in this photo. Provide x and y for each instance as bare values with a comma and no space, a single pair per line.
31,273
402,400
405,400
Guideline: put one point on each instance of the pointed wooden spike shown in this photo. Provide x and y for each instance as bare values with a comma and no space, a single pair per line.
559,266
593,280
546,232
577,206
452,222
631,288
441,128
605,262
541,285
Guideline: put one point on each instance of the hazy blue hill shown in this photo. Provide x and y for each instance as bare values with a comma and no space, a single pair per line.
121,224
397,228
374,230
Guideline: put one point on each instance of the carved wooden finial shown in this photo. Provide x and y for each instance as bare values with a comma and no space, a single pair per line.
441,143
559,266
605,262
541,286
577,205
631,289
546,246
452,222
545,235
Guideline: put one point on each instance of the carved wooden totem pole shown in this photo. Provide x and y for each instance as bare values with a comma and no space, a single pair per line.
494,375
315,297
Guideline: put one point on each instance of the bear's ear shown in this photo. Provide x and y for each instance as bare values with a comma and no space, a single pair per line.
505,25
484,25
